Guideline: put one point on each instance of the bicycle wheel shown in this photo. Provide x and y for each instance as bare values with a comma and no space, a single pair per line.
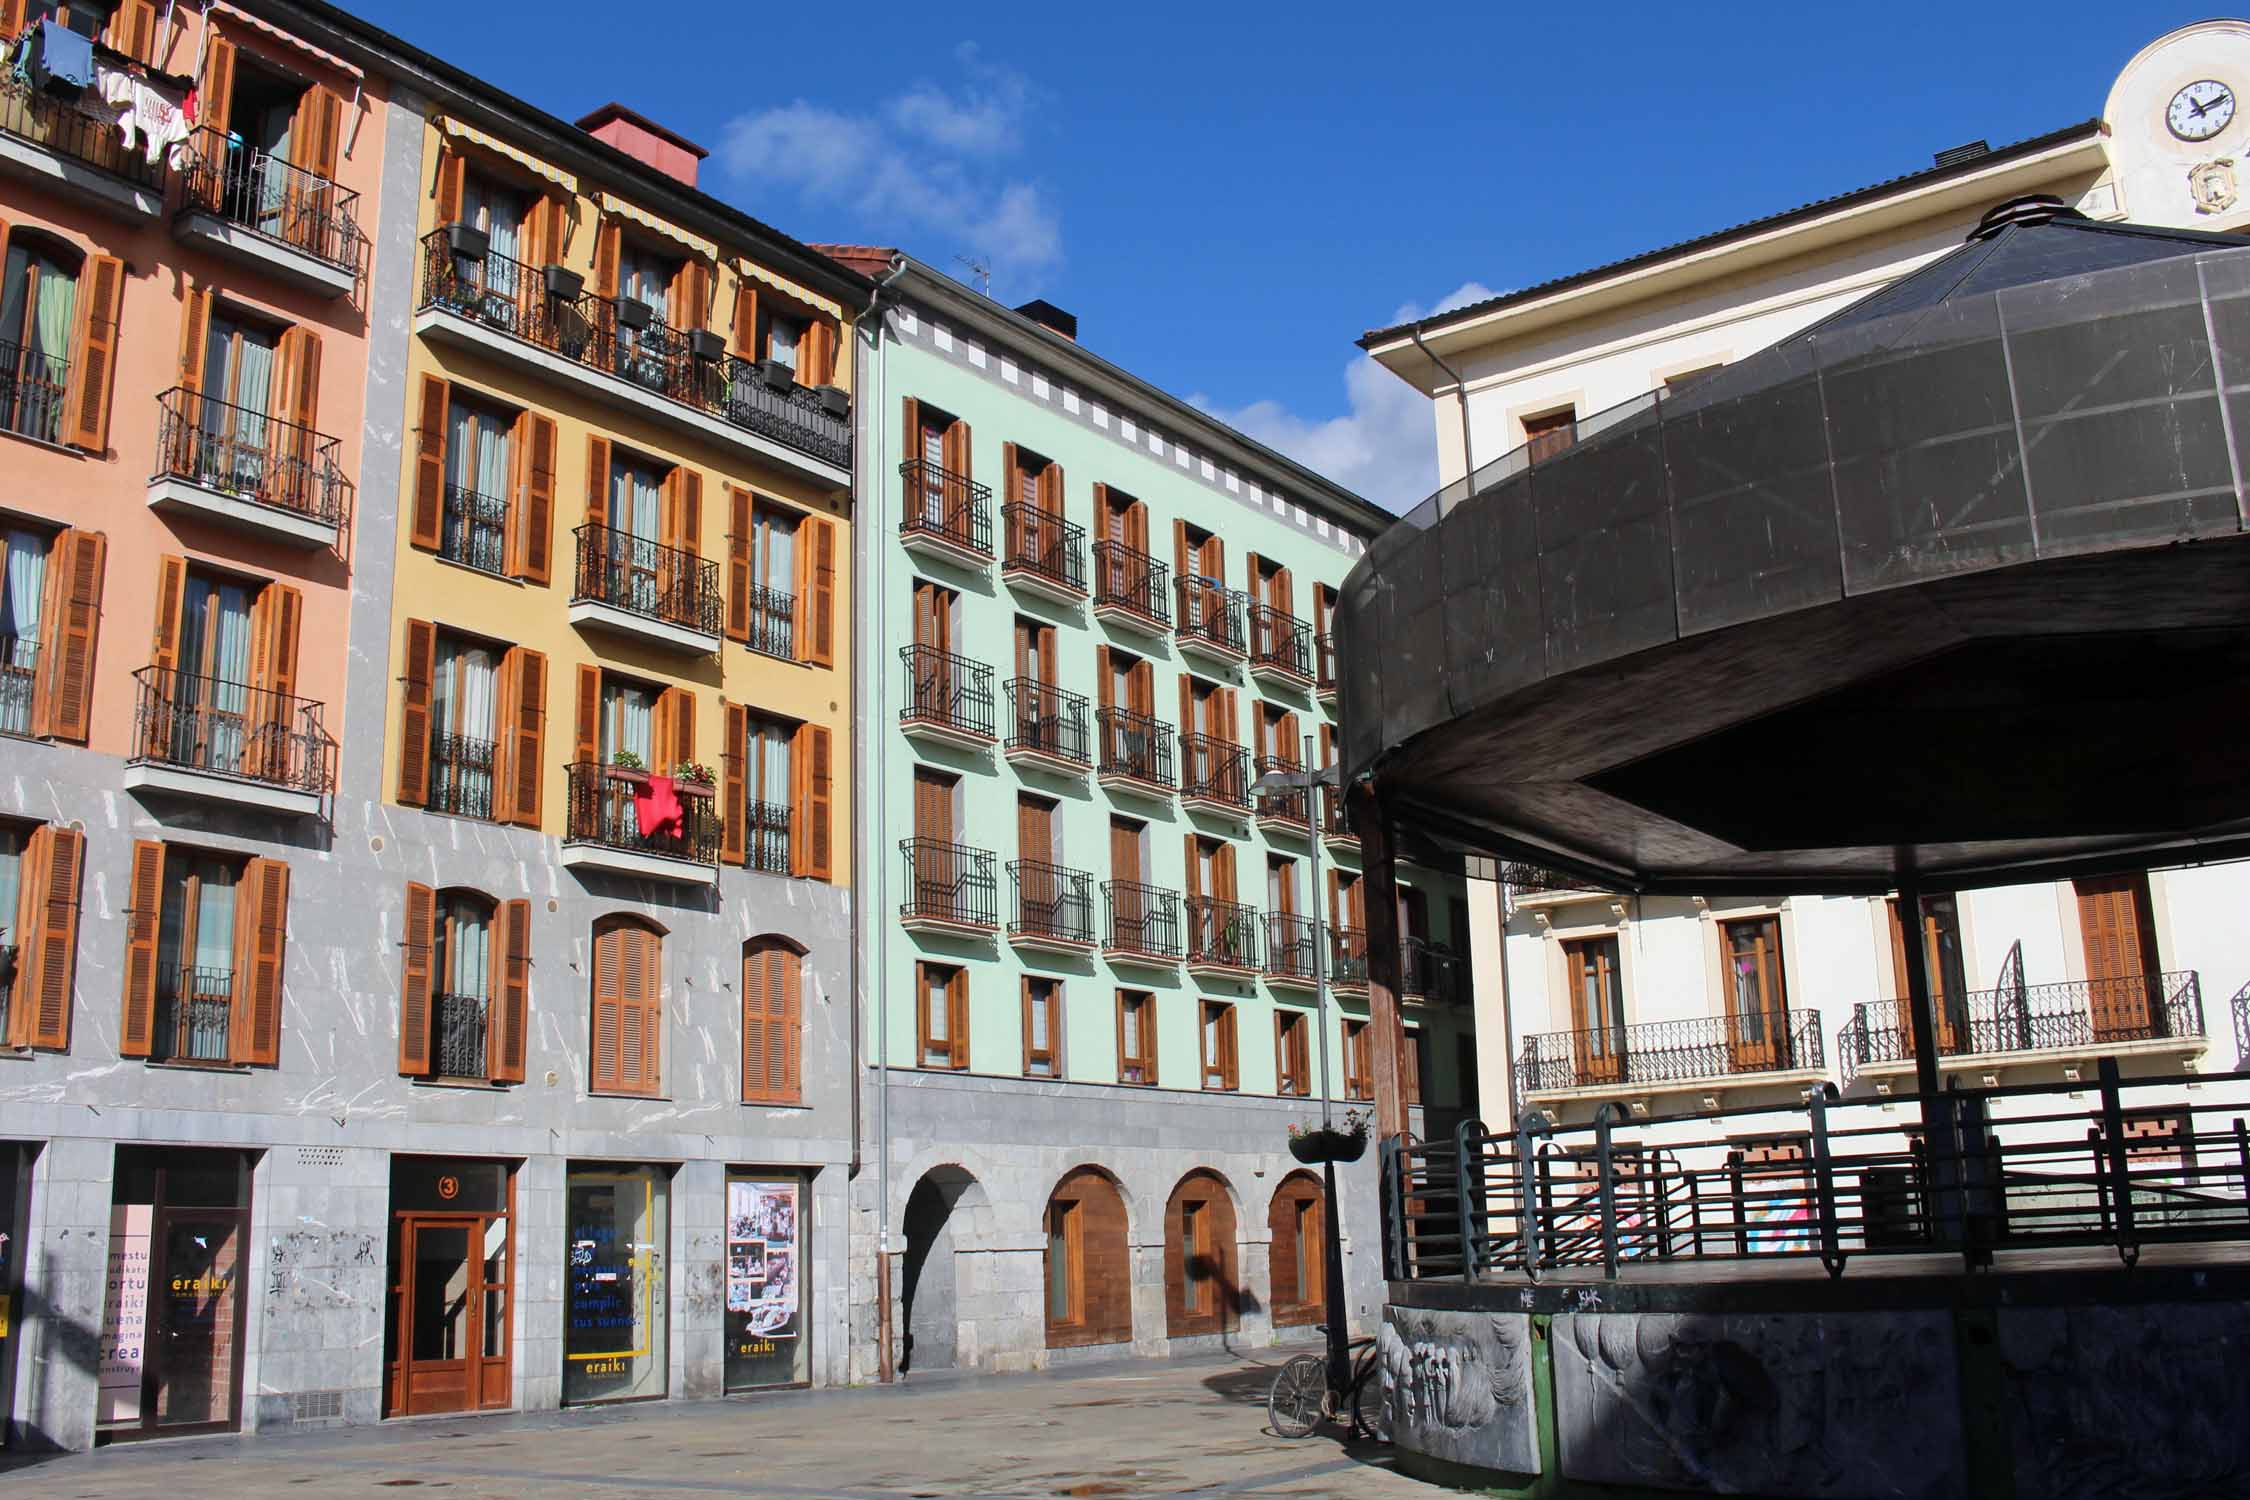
1300,1390
1371,1414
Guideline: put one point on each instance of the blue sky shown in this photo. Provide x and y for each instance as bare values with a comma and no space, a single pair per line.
1227,196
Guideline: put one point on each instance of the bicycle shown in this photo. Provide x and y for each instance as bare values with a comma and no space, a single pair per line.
1300,1398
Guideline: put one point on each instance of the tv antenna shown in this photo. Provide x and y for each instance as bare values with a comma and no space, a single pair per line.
981,270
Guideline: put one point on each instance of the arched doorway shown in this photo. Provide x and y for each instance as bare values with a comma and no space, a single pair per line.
1089,1269
1201,1273
936,1219
1297,1226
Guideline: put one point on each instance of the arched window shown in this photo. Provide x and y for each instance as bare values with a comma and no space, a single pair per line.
464,1009
39,323
1089,1269
773,1023
1200,1280
628,1007
1298,1238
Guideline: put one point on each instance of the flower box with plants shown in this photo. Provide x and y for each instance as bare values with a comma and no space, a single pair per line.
694,778
1346,1140
627,767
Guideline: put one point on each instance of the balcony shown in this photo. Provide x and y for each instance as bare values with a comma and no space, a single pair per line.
1280,647
1132,591
1698,1052
63,147
542,320
1290,951
474,531
1324,668
605,830
33,388
246,471
19,684
194,1016
645,591
1054,907
773,622
1209,622
1431,971
1347,960
945,516
225,742
1144,925
950,889
2139,1013
1135,754
765,839
948,698
258,210
1045,554
1046,729
1337,830
1214,776
1222,938
1284,811
460,776
462,1033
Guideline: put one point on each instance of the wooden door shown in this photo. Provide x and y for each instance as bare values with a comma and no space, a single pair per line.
1750,976
1941,956
2118,928
449,1296
1128,903
1597,1012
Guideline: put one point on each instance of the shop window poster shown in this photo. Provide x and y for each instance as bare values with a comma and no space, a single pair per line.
765,1344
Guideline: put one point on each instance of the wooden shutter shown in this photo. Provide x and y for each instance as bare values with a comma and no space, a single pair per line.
734,785
604,1072
597,480
740,528
691,296
426,527
757,986
609,241
1051,489
772,1024
414,713
586,747
640,1059
958,454
957,1016
1194,869
136,1031
94,371
674,730
65,697
215,90
1257,579
171,595
46,925
195,330
417,980
1011,497
524,728
532,547
1104,686
452,170
261,924
298,400
816,591
682,521
745,317
816,354
132,30
317,131
273,668
511,1001
813,853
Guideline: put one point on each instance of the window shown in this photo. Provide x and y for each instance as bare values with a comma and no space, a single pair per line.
484,484
40,872
644,279
502,213
203,959
472,726
628,1008
767,326
464,1004
23,595
770,789
938,497
1032,506
1136,1037
1756,994
221,692
1042,1027
773,1028
941,1016
1195,1249
1066,1276
1416,1060
1292,1052
1035,651
628,723
1597,1008
781,580
38,333
86,17
1550,433
479,466
773,580
1359,1065
1221,1069
782,336
779,792
462,726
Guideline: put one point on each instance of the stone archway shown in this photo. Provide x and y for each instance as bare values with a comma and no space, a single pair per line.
936,1222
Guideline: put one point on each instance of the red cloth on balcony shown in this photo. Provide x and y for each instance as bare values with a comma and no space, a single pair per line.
657,807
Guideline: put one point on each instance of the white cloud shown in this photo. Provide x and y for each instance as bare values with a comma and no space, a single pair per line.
927,162
1383,446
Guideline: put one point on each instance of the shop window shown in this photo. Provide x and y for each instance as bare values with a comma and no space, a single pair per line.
616,1323
1088,1269
1200,1286
170,1358
767,1338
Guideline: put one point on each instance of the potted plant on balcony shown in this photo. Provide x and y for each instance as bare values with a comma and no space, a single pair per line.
563,284
706,344
629,768
777,375
834,400
467,241
1344,1141
633,313
694,778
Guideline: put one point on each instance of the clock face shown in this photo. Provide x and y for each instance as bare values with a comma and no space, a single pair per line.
2201,110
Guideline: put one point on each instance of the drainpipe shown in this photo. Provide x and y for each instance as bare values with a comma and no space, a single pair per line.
1460,394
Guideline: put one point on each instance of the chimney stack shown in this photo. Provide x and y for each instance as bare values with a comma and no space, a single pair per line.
1051,318
645,141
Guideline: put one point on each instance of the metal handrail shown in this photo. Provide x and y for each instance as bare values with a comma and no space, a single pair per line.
646,578
230,729
2031,1018
1684,1050
948,882
938,502
1047,720
462,1022
765,837
194,1015
773,622
1144,920
34,387
1280,640
1324,662
946,689
1222,933
1212,613
68,128
461,770
1134,745
1051,901
1289,946
246,453
1129,579
1214,770
1041,542
19,684
602,810
1291,804
1429,971
474,530
1347,957
1336,815
233,180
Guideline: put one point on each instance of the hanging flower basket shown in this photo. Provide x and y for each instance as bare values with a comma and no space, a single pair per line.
1313,1144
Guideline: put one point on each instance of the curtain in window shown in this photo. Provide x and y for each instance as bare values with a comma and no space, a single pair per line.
477,454
23,581
1132,1032
469,951
781,341
214,918
13,293
11,876
496,211
777,566
213,696
237,389
57,310
635,503
628,716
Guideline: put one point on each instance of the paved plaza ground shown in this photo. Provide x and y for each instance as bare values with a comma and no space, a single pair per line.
1122,1431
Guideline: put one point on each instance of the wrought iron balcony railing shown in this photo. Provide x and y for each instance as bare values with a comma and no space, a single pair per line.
1324,663
1289,947
2077,1013
461,1037
229,729
1279,641
950,507
1335,814
474,532
646,578
943,689
1347,957
67,128
1144,920
1287,804
2241,1007
1665,1052
460,776
1537,880
194,1015
1134,745
234,181
1045,720
1043,544
33,387
1214,770
243,452
949,883
1129,579
523,301
1051,902
19,683
1223,934
773,622
1430,971
1211,614
603,809
765,839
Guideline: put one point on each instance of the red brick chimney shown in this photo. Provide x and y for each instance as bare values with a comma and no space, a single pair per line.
644,140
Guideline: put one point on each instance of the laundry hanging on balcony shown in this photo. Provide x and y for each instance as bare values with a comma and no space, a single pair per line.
657,808
154,118
62,62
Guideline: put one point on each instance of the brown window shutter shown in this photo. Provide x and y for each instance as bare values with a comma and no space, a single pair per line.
597,480
171,595
195,331
64,700
608,1007
641,1036
609,239
816,360
1102,678
957,1015
452,170
1051,489
137,1029
526,731
11,17
53,865
317,131
739,528
960,457
1194,868
414,713
299,399
86,407
758,1082
691,512
280,613
132,30
215,91
586,747
814,853
734,785
789,1044
911,426
417,980
817,556
685,306
745,318
1180,568
511,1002
426,527
261,929
532,547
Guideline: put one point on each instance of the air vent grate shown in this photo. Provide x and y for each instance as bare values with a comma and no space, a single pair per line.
1970,152
316,1406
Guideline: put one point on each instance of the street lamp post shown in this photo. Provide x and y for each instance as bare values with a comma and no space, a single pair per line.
1312,782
